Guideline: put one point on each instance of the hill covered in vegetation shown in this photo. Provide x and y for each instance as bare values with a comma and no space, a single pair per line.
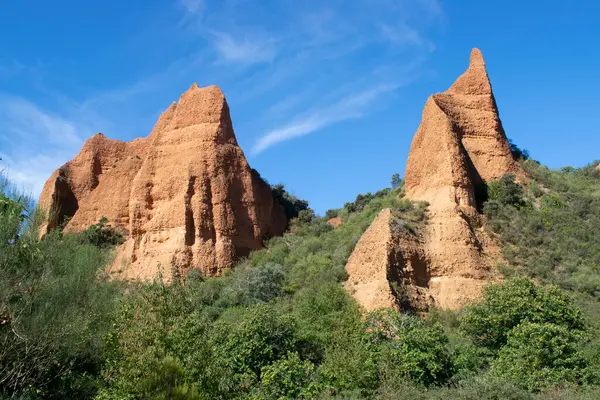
280,325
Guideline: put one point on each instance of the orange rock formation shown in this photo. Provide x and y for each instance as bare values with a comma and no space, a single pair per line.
335,222
459,145
388,268
185,195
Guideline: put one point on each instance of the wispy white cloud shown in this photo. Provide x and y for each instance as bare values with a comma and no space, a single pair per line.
192,6
301,69
36,141
246,50
352,106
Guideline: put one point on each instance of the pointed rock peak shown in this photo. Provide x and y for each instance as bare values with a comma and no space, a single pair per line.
474,81
476,58
95,140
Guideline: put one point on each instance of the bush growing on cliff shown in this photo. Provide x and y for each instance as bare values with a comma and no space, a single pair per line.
292,205
102,234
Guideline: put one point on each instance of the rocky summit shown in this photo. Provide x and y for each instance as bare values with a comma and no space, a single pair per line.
184,196
459,145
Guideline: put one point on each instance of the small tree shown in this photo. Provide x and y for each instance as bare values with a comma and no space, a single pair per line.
396,181
506,191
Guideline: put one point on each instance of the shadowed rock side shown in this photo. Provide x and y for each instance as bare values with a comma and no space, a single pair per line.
459,145
185,195
388,268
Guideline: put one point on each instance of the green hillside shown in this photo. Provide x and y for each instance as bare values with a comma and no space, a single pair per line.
281,326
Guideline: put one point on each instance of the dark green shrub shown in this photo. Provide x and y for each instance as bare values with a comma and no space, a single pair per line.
540,355
506,305
506,192
289,378
409,347
102,234
291,204
252,340
55,306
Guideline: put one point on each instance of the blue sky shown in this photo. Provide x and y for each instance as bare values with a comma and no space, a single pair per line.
325,96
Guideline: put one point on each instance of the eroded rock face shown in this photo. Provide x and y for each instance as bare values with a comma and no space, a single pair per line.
185,195
459,145
388,267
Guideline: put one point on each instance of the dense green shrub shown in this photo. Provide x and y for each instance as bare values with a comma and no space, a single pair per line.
506,192
540,355
504,306
102,234
291,204
55,306
408,347
555,238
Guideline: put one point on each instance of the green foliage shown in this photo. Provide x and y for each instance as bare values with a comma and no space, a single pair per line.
289,378
506,192
55,305
362,200
555,238
505,306
517,152
281,326
291,205
253,340
331,213
102,235
540,355
408,347
396,181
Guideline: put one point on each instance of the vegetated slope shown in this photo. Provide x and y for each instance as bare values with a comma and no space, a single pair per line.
280,325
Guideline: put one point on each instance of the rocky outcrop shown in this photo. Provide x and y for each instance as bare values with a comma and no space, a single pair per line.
388,267
335,222
459,145
184,196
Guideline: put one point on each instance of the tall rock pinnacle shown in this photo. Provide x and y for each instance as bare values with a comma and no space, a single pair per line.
185,195
459,145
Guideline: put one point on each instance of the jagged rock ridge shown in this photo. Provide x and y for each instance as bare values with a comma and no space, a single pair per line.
185,195
459,145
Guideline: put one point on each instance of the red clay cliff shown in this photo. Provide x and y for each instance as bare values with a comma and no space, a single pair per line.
185,196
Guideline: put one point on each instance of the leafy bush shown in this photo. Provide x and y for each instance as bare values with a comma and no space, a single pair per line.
408,347
517,153
506,305
291,205
55,306
102,235
554,239
289,378
506,192
540,355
